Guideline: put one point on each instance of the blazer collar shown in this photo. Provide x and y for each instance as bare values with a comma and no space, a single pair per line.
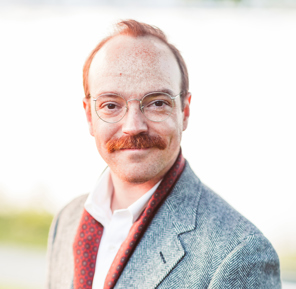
183,201
160,248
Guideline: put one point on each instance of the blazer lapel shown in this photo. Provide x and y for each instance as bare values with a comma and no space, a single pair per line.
160,249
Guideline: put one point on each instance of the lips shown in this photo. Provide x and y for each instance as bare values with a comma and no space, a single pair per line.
141,141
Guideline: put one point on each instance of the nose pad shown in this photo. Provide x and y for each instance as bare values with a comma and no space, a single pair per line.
134,122
139,106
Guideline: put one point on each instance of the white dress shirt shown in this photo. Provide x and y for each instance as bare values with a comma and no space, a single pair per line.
116,225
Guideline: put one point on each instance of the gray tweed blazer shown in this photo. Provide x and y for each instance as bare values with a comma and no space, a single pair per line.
196,240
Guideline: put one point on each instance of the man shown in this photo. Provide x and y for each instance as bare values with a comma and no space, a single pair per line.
149,222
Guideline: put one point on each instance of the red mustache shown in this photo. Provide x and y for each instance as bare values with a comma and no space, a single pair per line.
136,142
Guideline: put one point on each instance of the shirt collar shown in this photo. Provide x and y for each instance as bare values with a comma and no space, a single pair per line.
98,202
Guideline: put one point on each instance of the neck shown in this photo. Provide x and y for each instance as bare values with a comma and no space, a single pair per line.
125,193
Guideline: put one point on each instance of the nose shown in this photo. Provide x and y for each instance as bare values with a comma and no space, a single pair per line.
134,121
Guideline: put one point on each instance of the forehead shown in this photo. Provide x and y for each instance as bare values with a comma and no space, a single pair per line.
127,64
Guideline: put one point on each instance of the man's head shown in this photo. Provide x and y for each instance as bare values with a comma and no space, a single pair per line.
134,62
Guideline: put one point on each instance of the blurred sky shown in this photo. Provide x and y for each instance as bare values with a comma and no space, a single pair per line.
241,137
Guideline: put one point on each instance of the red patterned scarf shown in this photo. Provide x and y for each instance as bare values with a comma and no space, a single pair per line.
89,233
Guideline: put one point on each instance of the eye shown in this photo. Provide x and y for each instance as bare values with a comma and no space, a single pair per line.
109,103
110,106
159,103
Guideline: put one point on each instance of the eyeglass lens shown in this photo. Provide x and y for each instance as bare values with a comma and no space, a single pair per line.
155,106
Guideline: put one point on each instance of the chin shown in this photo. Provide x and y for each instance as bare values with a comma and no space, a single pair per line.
135,179
139,173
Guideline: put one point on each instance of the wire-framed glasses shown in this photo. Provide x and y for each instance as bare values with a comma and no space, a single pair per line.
156,106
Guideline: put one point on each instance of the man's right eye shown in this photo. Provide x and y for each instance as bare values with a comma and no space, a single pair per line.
111,106
108,107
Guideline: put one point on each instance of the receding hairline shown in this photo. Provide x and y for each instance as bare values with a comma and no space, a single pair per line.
159,46
109,39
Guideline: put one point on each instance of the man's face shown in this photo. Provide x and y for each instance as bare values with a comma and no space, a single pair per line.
133,67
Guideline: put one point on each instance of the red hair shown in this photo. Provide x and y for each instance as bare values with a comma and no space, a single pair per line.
138,29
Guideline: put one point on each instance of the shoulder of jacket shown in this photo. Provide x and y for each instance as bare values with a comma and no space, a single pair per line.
212,211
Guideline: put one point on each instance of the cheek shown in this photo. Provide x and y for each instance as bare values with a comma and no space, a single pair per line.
103,132
175,125
172,131
100,133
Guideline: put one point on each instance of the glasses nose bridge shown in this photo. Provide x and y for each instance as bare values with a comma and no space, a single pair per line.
139,100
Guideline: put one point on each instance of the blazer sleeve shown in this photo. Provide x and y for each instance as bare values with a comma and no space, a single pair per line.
60,262
252,264
51,238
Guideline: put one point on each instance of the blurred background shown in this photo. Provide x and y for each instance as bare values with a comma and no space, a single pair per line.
241,138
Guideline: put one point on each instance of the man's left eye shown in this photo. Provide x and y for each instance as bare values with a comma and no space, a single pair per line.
111,106
159,103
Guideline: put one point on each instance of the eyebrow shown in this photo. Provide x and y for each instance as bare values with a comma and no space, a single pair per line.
104,92
164,90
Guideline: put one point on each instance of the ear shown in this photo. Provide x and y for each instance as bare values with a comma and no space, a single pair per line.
87,108
186,110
